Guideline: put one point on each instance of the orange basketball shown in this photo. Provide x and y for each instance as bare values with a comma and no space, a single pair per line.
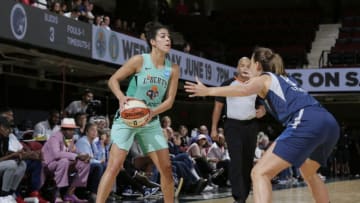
135,113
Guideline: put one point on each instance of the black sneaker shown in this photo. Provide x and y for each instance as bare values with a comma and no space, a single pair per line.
217,172
200,185
145,180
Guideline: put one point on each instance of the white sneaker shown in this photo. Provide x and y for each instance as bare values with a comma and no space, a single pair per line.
283,182
208,188
8,199
323,178
150,191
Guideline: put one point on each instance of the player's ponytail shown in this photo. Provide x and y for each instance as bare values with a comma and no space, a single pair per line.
269,60
277,65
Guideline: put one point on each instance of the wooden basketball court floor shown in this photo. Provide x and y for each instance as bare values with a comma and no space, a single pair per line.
340,190
347,191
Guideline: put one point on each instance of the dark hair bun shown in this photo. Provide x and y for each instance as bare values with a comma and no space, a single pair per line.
150,27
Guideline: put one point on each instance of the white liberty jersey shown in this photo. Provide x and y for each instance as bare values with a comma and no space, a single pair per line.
285,98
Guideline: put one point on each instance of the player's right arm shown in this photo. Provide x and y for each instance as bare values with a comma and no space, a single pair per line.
132,66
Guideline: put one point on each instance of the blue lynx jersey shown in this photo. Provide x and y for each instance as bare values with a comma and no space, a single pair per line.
311,131
285,98
151,83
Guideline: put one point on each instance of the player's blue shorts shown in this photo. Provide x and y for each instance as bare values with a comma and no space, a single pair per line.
150,137
312,133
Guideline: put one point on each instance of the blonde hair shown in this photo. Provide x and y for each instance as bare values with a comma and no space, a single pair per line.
269,60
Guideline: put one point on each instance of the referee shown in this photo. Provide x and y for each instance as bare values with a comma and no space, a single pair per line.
241,128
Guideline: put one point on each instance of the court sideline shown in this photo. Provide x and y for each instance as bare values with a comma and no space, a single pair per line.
346,191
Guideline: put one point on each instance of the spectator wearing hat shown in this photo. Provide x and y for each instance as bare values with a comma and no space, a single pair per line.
61,159
11,166
197,151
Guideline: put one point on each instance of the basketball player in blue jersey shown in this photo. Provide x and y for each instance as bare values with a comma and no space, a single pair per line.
310,132
154,80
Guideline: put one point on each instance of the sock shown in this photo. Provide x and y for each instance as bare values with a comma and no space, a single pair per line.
195,174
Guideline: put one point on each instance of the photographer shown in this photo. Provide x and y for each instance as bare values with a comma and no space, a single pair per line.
85,105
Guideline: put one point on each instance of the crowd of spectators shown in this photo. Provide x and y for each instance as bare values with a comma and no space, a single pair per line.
83,10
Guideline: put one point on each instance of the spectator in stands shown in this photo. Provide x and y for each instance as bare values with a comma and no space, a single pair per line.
187,47
78,4
166,124
107,22
142,36
100,121
133,176
31,156
185,137
125,27
103,145
86,145
12,167
198,152
64,8
258,150
181,8
133,28
217,157
89,14
73,14
117,25
26,128
8,113
61,159
263,143
195,9
204,131
56,8
80,105
98,20
183,164
49,126
81,121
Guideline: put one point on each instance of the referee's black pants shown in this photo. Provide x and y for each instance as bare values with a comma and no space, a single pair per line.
241,137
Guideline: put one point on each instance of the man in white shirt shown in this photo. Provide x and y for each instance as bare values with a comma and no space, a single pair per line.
47,127
241,128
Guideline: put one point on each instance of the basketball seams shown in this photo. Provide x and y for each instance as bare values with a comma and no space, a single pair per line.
135,113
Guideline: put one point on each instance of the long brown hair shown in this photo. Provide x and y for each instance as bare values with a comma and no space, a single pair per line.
269,60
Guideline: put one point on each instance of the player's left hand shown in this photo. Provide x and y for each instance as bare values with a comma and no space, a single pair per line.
197,89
